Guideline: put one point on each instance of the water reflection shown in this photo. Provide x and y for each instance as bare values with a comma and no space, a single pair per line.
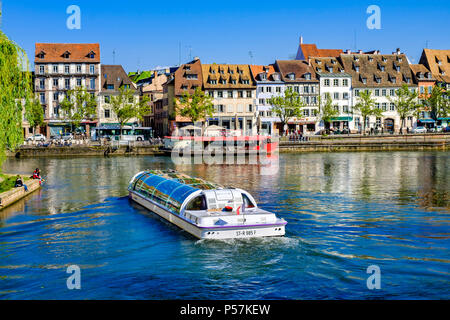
345,211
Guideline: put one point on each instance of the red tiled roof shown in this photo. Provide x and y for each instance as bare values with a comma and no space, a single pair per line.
310,50
53,52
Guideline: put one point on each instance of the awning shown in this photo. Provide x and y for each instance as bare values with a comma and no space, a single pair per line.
342,119
427,121
444,119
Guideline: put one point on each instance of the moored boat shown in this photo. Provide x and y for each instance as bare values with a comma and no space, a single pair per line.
203,209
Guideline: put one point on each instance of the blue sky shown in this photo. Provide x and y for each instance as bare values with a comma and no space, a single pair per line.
146,34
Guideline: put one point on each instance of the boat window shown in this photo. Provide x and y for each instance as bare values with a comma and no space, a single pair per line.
247,202
197,204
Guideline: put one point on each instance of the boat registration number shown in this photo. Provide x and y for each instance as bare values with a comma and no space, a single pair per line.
245,233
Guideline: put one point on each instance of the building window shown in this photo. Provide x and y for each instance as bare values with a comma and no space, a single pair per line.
41,69
306,112
220,94
55,96
336,96
92,82
107,99
230,94
336,82
110,87
345,82
392,107
66,69
392,93
306,89
79,82
67,83
78,68
240,94
326,82
345,95
42,98
107,113
384,106
262,101
250,108
384,92
92,69
345,109
278,89
55,69
42,84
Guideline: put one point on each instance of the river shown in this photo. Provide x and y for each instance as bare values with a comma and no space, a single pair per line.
345,212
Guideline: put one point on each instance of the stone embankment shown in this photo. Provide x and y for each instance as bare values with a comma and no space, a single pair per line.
9,197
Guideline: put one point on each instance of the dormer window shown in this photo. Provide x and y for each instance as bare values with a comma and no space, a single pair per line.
66,55
356,58
186,67
370,59
364,80
384,59
233,81
428,75
356,68
381,67
91,55
393,79
41,55
377,79
308,76
333,61
408,80
212,81
319,69
263,76
276,76
330,69
439,62
245,82
397,68
319,62
291,76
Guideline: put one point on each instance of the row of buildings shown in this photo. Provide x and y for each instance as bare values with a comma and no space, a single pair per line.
241,92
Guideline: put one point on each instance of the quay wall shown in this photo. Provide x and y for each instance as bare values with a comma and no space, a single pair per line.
369,143
9,197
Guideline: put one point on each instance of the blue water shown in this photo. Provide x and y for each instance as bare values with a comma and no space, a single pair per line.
345,212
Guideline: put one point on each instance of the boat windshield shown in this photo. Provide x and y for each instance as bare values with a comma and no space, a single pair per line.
168,193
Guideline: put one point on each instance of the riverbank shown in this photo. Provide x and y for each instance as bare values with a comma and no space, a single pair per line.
369,143
13,195
340,143
84,151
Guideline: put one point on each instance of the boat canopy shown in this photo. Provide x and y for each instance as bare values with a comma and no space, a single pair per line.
169,189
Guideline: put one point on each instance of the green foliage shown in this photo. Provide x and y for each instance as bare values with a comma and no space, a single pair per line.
287,106
405,102
34,113
79,105
125,107
194,106
15,91
438,102
327,110
366,106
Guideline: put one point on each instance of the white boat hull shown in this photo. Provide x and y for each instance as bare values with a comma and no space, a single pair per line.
220,233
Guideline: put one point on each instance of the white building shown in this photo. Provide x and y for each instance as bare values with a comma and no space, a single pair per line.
268,85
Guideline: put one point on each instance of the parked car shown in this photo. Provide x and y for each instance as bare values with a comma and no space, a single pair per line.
446,129
37,137
420,130
439,128
67,136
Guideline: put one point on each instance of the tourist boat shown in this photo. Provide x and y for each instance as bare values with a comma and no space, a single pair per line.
203,209
220,144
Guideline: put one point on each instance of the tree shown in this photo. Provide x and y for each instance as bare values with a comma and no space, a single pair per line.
15,93
196,106
288,106
79,105
35,114
366,106
125,107
438,102
405,102
327,110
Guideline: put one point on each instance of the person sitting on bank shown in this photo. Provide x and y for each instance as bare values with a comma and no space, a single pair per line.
19,183
37,174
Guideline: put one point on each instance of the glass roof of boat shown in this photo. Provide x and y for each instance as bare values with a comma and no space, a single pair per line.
168,192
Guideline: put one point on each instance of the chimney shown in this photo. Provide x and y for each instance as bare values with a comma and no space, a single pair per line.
398,51
349,51
301,39
196,58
